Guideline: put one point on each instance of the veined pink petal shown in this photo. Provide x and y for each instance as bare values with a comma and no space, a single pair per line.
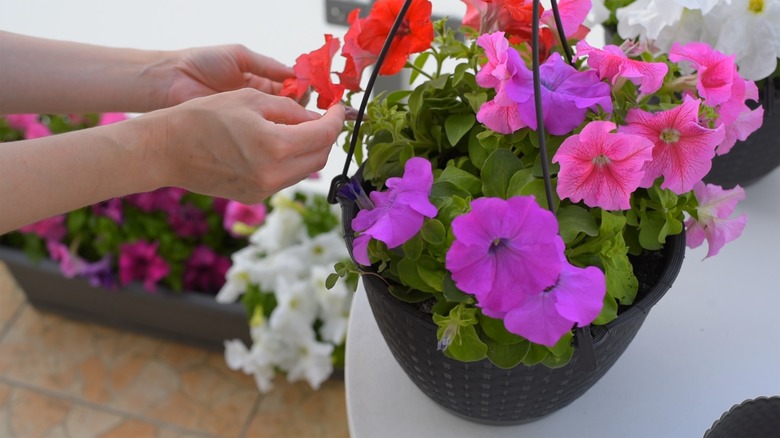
613,64
601,168
683,149
715,70
502,119
715,207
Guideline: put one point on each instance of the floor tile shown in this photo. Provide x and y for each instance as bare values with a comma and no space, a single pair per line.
163,381
294,410
11,297
27,413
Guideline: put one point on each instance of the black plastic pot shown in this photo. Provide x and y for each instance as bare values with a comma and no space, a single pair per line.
757,418
189,317
482,392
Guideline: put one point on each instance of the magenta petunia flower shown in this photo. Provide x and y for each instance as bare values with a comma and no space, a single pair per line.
205,270
683,149
188,221
613,64
715,71
111,209
30,124
49,229
166,199
713,224
567,94
240,219
576,298
399,212
109,118
601,168
140,261
504,250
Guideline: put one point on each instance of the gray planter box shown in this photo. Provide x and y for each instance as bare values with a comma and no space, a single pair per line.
188,317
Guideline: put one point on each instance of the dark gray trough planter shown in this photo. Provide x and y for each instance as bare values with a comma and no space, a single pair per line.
189,317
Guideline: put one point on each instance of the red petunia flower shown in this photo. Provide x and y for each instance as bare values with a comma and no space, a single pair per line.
313,70
357,58
415,34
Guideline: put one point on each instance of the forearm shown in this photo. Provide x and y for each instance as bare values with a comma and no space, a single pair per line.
47,176
48,76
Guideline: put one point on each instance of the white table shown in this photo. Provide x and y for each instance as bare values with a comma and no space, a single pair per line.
710,343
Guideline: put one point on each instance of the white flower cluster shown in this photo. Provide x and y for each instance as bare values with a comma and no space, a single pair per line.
308,320
748,29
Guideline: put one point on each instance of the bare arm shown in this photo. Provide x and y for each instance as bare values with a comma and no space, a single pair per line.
40,75
243,145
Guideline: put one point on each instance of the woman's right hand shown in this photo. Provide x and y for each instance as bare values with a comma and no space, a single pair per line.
243,145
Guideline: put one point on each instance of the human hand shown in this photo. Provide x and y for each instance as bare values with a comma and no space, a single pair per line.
204,71
243,145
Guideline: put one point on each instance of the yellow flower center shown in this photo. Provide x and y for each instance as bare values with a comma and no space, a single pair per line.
756,6
670,135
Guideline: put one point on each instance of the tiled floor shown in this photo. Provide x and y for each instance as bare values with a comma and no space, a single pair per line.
66,378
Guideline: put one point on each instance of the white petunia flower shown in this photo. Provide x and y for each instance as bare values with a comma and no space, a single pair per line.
314,362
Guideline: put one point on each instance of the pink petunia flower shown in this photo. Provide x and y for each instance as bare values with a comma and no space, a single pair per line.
49,229
500,114
683,149
738,120
504,251
241,219
613,64
111,209
70,264
109,118
576,298
715,71
399,212
30,124
205,270
602,168
140,261
713,224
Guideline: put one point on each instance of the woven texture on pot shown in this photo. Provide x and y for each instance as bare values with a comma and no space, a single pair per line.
750,160
480,391
757,418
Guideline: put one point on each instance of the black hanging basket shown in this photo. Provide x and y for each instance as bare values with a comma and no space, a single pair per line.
757,418
482,392
750,160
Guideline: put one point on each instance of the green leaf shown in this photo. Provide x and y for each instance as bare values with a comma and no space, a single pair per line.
409,275
413,247
331,280
573,220
536,354
408,294
495,330
431,272
518,181
608,311
497,172
419,62
458,125
651,230
539,192
451,292
507,356
461,179
433,232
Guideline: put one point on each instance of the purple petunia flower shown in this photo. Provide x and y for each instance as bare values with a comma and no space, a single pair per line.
205,270
504,251
99,273
567,94
577,296
399,212
140,261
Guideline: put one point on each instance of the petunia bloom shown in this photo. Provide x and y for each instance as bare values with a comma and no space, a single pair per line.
602,168
504,251
357,58
140,261
715,72
205,270
500,114
683,149
414,35
49,229
576,297
399,212
712,223
30,124
241,220
314,70
613,64
567,94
